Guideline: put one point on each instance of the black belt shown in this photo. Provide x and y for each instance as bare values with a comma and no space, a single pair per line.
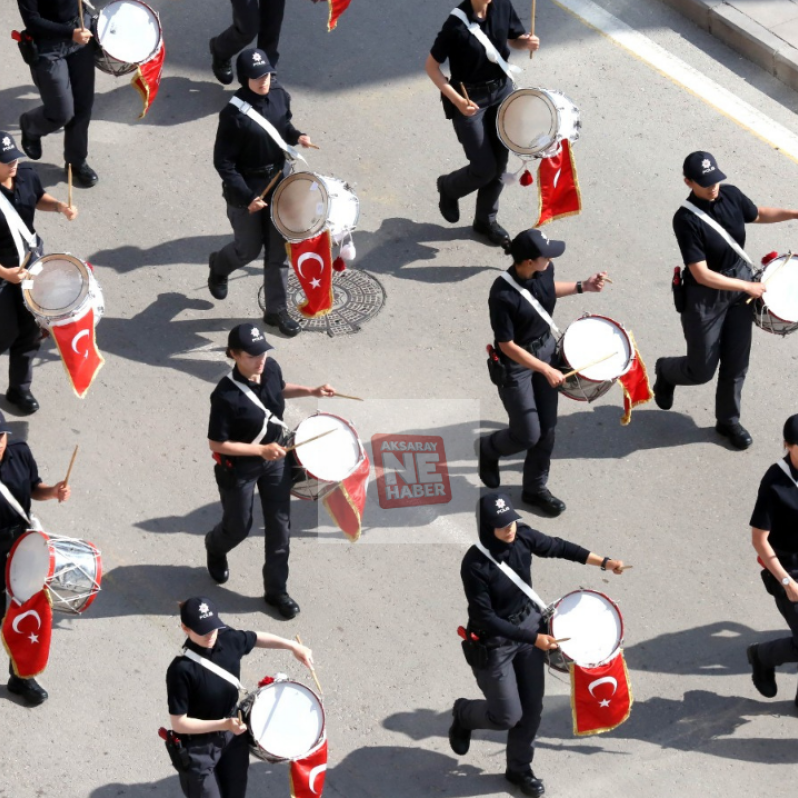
261,171
522,615
201,738
485,85
536,344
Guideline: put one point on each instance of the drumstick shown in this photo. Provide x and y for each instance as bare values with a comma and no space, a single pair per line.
606,279
71,463
624,567
271,184
240,719
346,396
588,365
532,29
313,146
80,13
465,93
783,263
312,669
309,440
69,185
561,640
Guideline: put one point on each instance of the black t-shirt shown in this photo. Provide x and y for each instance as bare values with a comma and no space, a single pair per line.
20,474
776,508
49,19
732,210
511,316
468,61
25,195
194,691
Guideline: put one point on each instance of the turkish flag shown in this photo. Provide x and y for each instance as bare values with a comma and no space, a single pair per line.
337,7
601,698
558,186
27,629
636,388
78,349
312,262
147,79
346,503
306,776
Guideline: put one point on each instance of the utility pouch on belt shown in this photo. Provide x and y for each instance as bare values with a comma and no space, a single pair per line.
28,48
679,290
449,108
772,585
497,371
475,651
176,750
225,474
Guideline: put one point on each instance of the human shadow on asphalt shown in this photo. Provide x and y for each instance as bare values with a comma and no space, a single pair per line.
192,249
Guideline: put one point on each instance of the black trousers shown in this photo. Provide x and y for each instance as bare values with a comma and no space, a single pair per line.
274,487
263,16
513,684
717,328
64,76
218,766
19,336
531,405
487,156
785,649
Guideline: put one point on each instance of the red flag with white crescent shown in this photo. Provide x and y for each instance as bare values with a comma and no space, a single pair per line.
312,262
635,384
601,698
147,79
558,186
27,629
78,349
337,7
306,776
348,501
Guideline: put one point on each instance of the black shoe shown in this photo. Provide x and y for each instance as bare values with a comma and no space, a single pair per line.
24,400
31,146
284,322
286,606
29,689
526,782
543,500
222,67
764,679
738,436
663,391
489,471
493,231
448,206
84,175
217,285
217,565
459,736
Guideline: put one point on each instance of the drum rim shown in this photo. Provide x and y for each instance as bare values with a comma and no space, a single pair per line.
127,66
62,313
625,334
544,94
351,428
290,234
761,301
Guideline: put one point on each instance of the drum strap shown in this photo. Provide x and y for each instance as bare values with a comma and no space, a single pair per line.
493,54
268,415
539,309
9,497
512,575
249,111
718,229
19,230
786,469
213,668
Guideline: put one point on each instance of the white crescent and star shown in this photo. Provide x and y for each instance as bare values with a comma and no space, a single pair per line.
312,776
15,625
315,282
75,343
604,680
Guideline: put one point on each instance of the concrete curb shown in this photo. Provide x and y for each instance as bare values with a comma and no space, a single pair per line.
744,35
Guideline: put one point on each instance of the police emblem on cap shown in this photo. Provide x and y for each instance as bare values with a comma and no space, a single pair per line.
706,163
6,143
500,503
204,611
256,334
256,58
544,236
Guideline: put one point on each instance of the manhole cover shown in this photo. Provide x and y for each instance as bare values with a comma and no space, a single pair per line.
357,298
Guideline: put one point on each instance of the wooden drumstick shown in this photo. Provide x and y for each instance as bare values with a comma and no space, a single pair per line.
69,186
606,279
80,14
271,185
240,719
588,365
314,146
71,463
312,669
532,28
309,440
783,263
465,93
561,640
347,396
624,567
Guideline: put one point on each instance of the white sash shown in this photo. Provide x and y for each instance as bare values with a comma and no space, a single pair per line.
213,668
718,229
490,49
786,469
268,415
249,111
19,230
511,574
540,310
9,497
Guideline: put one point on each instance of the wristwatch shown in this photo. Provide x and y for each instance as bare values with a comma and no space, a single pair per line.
579,289
604,563
786,581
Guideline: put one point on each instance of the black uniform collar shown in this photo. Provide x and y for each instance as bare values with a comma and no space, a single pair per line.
239,377
201,650
528,281
705,205
469,11
793,470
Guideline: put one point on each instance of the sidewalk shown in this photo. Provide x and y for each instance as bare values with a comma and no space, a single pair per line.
764,31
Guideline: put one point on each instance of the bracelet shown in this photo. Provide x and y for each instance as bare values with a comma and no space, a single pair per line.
604,563
579,289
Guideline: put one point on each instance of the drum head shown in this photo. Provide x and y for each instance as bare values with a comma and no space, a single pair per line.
60,284
286,719
29,565
592,622
593,337
128,31
781,298
300,206
333,457
528,121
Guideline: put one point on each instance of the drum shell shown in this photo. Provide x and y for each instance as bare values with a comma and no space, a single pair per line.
764,316
110,64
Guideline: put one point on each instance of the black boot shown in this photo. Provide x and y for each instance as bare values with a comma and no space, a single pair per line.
28,689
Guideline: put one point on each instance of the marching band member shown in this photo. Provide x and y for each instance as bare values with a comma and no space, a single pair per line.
527,349
202,704
63,71
246,434
474,121
19,476
21,187
510,632
247,157
716,321
774,534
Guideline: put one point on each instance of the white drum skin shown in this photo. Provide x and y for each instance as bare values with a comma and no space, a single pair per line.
129,34
777,311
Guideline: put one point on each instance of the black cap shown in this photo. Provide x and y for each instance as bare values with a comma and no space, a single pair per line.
253,64
199,614
702,168
248,338
8,148
497,510
533,244
4,427
791,430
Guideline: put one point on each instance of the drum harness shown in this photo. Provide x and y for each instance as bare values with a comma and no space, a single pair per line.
249,111
492,53
19,230
269,416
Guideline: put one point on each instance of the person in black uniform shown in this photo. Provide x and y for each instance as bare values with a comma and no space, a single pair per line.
527,349
247,158
64,75
19,333
510,626
20,475
263,16
202,704
246,433
716,321
475,121
774,534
